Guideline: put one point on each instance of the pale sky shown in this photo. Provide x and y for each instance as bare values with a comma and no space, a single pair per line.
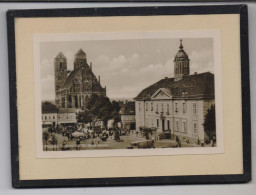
126,66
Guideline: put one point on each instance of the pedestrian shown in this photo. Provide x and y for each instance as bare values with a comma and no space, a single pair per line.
178,142
202,143
78,144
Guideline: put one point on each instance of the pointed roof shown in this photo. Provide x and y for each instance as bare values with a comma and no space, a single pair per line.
166,91
60,55
80,53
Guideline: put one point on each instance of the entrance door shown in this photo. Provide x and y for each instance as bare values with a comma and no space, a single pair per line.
163,125
168,124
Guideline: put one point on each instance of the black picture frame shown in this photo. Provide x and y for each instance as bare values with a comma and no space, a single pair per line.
153,1
133,11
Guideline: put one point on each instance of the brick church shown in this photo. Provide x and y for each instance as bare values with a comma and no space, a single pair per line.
73,88
177,104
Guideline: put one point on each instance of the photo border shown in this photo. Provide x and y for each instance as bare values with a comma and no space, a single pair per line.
133,11
215,35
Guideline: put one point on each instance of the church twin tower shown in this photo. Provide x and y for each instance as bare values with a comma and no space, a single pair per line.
73,88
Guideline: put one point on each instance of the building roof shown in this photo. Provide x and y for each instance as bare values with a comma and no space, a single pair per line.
60,55
69,81
190,87
48,107
68,110
80,54
76,73
128,108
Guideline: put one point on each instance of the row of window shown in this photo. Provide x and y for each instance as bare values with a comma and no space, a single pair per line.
184,107
177,128
184,127
50,118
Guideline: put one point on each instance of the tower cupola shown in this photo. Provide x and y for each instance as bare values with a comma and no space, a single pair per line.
181,63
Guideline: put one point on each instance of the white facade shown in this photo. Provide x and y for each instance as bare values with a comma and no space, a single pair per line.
49,119
183,117
66,118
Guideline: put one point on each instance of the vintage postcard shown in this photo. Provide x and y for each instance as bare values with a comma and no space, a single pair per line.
128,94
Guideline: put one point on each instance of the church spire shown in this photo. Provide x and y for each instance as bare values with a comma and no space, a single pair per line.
181,46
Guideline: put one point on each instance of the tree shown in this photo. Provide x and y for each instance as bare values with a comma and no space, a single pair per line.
210,122
85,116
115,114
101,108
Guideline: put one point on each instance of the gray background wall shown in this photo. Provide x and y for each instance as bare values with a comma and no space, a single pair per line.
5,163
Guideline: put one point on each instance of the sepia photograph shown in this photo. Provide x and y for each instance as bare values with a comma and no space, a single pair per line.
141,92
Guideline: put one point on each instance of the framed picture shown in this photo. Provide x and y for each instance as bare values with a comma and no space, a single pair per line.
129,96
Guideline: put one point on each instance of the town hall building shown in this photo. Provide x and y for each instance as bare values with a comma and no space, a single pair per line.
73,88
177,104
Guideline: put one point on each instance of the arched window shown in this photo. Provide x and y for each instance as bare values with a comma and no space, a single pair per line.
61,66
63,102
76,101
70,101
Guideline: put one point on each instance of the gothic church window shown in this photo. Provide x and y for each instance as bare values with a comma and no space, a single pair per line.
63,102
70,101
61,66
76,101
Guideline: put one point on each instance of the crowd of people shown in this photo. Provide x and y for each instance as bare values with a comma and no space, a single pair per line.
77,134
